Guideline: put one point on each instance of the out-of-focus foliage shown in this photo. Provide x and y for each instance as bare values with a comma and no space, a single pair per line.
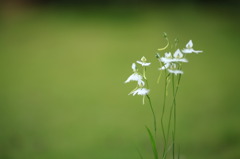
62,72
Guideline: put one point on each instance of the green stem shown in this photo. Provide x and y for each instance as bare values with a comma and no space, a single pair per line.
179,152
144,76
144,72
163,111
175,115
154,116
173,105
140,154
159,77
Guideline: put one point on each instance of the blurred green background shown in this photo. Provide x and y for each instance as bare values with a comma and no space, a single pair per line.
63,70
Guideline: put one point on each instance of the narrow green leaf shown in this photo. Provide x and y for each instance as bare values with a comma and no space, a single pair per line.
154,147
179,152
140,154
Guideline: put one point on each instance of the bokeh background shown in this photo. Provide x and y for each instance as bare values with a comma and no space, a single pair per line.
63,64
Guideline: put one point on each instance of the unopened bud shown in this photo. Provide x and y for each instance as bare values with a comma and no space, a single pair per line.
164,35
143,59
157,55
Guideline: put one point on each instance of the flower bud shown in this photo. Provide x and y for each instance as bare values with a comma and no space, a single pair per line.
157,55
143,59
165,35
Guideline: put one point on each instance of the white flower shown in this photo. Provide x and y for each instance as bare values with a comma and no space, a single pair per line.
167,58
189,48
143,62
134,67
178,57
135,76
175,71
140,91
172,68
168,55
165,66
178,54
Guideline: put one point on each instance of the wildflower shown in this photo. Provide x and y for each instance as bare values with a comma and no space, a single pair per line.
134,67
165,66
167,58
140,91
135,76
176,72
143,62
171,62
177,57
173,69
189,48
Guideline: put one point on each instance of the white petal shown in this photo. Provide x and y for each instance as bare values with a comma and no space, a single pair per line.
189,44
165,66
143,63
178,54
140,91
187,51
179,60
162,68
166,60
128,80
134,67
168,55
143,91
175,71
135,92
146,64
140,62
197,51
134,77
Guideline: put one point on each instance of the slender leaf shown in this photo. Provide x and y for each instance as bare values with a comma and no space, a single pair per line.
179,152
154,147
140,154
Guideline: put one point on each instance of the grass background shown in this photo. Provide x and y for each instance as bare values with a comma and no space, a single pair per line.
62,72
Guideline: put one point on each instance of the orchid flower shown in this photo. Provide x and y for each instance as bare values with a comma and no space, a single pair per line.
173,69
140,91
189,48
135,76
143,62
170,62
177,57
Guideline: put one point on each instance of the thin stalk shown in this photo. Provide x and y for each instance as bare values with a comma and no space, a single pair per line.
174,102
159,77
163,111
149,99
140,154
179,152
144,76
173,136
154,116
175,116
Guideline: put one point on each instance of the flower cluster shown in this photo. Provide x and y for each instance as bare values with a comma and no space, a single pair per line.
172,63
139,78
